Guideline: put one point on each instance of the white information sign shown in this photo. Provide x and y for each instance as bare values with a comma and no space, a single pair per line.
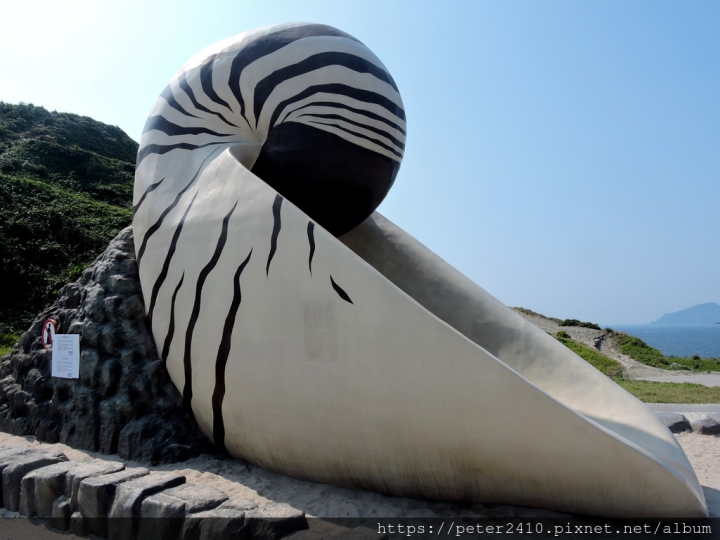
66,356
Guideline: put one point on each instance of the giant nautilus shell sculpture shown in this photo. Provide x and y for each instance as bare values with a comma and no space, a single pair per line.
312,337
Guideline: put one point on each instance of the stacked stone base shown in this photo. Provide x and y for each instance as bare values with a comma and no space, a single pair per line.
107,499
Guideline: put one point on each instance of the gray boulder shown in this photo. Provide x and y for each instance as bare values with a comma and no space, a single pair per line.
238,504
706,426
78,524
676,422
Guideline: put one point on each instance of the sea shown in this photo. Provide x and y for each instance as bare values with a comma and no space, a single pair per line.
678,340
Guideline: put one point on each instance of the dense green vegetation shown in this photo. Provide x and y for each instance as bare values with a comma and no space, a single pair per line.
575,322
69,151
47,236
65,192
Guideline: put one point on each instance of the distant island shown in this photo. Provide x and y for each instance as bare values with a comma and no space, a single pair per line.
701,314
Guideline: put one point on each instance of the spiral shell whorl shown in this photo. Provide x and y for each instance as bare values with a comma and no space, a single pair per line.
310,110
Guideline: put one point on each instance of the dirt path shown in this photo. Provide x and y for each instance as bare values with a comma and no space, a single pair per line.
631,368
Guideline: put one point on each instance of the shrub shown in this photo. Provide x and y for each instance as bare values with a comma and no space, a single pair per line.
575,322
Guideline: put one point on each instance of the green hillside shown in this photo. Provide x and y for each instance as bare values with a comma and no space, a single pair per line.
65,191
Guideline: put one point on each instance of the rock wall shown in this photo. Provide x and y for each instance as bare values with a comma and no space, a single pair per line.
124,401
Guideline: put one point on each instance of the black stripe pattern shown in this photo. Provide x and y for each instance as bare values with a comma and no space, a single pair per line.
166,264
222,358
187,358
171,327
311,241
339,290
150,189
277,204
154,228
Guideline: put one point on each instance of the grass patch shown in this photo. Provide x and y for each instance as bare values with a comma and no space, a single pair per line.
661,392
696,363
607,366
7,341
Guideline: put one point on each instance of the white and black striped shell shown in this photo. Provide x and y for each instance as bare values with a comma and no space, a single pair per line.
316,116
363,361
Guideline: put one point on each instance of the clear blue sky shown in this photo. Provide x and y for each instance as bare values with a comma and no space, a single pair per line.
564,155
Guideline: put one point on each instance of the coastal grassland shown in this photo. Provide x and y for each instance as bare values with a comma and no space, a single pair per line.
637,349
662,392
696,363
604,364
647,391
